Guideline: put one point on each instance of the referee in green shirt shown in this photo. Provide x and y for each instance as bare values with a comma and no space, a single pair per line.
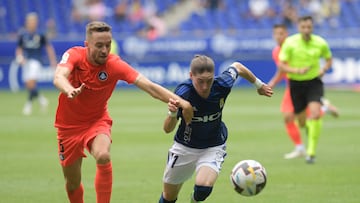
300,58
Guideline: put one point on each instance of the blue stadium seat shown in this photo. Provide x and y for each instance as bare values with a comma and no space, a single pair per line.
234,16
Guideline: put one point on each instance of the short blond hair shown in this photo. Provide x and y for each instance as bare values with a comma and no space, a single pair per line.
97,26
33,15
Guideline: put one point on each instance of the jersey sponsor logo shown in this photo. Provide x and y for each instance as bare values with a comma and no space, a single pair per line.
32,42
64,58
207,118
187,133
102,76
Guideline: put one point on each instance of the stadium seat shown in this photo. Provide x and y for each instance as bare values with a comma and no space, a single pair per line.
233,16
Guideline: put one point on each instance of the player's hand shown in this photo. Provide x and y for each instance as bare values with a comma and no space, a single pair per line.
322,73
302,71
173,105
187,112
265,90
20,59
76,91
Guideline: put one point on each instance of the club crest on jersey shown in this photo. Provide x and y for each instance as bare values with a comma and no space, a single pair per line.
222,102
102,76
62,157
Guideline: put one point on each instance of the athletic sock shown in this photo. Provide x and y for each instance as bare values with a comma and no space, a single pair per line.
33,94
314,130
76,196
162,200
103,182
294,133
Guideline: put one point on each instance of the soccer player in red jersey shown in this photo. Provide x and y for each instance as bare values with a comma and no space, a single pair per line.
86,77
280,33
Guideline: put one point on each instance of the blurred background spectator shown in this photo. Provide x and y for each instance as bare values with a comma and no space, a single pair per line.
260,9
84,10
163,30
331,11
289,13
64,18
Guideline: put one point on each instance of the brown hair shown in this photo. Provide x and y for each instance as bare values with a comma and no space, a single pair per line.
305,18
202,63
97,26
280,25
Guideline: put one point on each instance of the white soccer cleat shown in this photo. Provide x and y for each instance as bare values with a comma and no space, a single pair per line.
44,103
329,108
295,154
27,110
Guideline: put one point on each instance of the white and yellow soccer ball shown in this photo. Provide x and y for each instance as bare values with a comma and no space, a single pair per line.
248,177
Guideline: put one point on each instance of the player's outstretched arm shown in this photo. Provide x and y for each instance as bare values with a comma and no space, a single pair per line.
277,77
262,88
163,94
62,83
51,54
19,55
326,67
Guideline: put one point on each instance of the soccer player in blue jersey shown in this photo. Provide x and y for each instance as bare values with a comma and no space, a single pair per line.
29,53
201,145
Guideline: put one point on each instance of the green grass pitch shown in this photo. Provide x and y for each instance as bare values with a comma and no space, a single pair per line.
30,172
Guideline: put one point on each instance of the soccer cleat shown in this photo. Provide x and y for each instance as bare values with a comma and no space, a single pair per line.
310,159
295,154
330,108
27,109
44,103
192,199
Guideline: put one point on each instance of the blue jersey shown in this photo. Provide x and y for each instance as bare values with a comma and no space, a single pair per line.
32,44
206,129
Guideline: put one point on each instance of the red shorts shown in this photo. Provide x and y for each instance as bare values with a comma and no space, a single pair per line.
287,104
72,142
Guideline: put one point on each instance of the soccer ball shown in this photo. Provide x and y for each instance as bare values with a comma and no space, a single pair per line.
248,177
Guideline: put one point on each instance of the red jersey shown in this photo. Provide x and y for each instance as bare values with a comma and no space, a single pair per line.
275,56
100,81
286,104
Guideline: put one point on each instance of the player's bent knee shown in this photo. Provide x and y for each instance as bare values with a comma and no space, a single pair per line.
72,185
289,118
202,192
102,157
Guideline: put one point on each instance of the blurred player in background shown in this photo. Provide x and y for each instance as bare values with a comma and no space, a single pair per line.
86,77
280,33
29,53
114,49
201,146
300,56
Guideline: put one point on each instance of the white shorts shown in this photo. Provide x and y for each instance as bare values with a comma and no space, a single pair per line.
31,70
183,161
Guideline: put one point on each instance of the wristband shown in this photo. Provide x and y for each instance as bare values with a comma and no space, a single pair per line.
258,83
172,114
